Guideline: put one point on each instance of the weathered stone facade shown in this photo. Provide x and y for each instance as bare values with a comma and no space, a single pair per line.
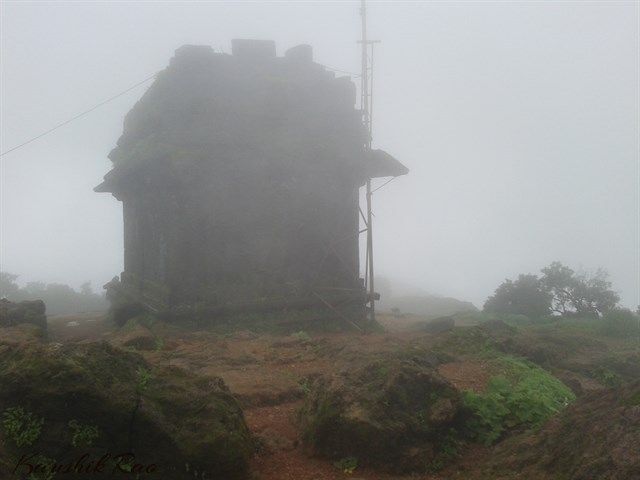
239,176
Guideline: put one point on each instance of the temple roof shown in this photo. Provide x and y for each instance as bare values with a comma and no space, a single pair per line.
248,110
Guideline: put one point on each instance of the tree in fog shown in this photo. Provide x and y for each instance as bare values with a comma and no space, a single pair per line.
560,290
58,298
8,285
526,296
579,294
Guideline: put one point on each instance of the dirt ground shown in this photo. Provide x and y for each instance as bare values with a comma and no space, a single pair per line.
269,376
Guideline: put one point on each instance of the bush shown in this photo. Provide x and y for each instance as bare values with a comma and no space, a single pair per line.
524,296
347,465
524,396
82,435
620,322
21,426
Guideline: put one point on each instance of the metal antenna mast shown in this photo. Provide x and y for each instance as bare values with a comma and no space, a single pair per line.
366,104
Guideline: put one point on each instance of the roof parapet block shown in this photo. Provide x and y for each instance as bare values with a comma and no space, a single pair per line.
300,53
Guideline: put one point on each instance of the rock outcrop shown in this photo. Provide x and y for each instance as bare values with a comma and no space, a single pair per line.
597,437
438,325
393,413
66,401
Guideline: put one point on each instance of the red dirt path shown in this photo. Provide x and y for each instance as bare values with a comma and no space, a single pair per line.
266,373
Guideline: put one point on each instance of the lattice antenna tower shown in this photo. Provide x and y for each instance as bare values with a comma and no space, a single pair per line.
366,106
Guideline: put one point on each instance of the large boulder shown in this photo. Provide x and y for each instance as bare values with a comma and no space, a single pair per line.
65,401
30,311
438,325
393,412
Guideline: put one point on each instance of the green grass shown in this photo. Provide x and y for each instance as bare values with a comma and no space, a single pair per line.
620,323
468,319
523,396
144,378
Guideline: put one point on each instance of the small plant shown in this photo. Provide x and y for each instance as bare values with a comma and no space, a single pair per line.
144,378
83,435
450,444
347,465
21,426
126,466
305,385
159,343
449,448
607,377
382,371
302,336
435,465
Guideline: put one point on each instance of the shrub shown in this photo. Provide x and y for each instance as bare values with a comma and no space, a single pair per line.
524,296
347,465
144,378
524,396
620,322
301,336
83,435
21,426
607,377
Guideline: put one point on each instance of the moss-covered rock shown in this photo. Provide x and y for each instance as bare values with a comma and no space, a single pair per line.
597,437
521,396
438,325
396,413
95,399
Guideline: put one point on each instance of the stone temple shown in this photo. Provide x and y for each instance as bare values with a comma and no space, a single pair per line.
239,177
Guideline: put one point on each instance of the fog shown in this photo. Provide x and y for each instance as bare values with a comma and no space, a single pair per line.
518,121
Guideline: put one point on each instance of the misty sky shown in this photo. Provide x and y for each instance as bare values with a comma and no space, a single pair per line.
519,122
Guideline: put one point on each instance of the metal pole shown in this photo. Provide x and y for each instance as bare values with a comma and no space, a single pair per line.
364,77
372,43
372,304
367,145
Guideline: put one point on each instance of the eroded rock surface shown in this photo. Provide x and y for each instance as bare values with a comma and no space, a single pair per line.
597,437
179,423
396,413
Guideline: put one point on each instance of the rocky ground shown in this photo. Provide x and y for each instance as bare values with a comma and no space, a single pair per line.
382,406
